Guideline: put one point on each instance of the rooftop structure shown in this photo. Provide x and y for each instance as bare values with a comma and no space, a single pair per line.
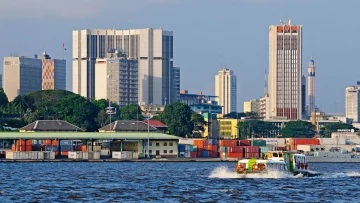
128,126
50,126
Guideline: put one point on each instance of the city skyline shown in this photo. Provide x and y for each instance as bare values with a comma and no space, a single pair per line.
234,45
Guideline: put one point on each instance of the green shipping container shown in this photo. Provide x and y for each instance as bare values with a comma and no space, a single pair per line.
259,143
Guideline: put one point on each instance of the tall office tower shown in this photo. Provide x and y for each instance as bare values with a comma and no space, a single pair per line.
303,95
22,75
176,84
311,86
352,101
225,90
153,48
285,70
116,79
53,73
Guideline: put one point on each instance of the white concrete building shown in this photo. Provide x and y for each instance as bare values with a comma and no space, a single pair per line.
311,86
22,75
153,48
225,90
264,107
352,103
252,106
285,70
117,79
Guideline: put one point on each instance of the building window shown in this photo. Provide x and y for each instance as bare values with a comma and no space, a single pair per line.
158,144
165,151
150,151
171,144
150,143
165,144
171,151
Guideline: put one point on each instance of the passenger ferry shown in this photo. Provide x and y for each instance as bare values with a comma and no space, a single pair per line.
276,160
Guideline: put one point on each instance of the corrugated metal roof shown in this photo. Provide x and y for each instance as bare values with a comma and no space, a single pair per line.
87,135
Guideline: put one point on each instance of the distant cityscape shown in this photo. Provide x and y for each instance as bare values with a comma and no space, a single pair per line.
137,66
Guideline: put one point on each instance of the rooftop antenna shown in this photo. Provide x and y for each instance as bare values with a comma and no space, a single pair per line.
221,61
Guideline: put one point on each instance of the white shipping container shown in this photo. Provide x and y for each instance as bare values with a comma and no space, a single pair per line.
85,155
40,155
10,155
187,154
135,155
105,152
93,155
116,155
126,155
187,141
75,155
187,147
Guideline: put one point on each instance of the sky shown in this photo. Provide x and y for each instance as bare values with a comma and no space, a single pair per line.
203,30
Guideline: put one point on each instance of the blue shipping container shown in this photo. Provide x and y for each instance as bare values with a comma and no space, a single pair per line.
213,142
66,142
205,153
66,148
51,148
181,148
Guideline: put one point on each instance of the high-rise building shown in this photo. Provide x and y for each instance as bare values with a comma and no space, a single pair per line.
22,75
153,48
352,103
225,90
285,70
53,73
311,86
176,84
117,79
264,107
252,106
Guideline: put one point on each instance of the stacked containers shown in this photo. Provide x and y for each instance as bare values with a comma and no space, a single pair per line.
230,148
303,141
205,148
252,152
244,143
259,143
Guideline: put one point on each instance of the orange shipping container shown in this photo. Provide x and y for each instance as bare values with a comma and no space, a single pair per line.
64,153
47,142
20,142
83,148
20,148
55,143
13,148
305,141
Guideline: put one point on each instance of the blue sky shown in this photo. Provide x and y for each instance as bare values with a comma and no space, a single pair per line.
203,30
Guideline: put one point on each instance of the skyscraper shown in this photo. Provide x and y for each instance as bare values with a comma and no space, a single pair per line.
352,103
153,48
285,70
176,84
311,86
22,75
225,90
53,73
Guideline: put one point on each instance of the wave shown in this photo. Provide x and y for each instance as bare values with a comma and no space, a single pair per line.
351,174
225,172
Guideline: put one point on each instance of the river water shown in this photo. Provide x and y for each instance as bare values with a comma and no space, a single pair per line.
172,182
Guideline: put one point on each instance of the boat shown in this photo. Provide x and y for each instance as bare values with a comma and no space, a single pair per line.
286,161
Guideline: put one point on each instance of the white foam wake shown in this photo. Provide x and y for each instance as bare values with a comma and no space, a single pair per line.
225,172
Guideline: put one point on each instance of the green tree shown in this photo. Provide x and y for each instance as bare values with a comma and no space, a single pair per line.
198,122
3,98
158,117
333,127
131,112
23,102
102,118
101,103
177,116
256,129
298,129
31,116
235,115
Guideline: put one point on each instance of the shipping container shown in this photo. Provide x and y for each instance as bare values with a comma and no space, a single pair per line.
235,155
186,141
228,143
244,143
28,142
187,154
105,152
75,155
253,149
28,148
125,155
193,154
304,141
213,141
181,147
55,143
47,142
93,148
265,149
205,153
259,143
20,142
223,155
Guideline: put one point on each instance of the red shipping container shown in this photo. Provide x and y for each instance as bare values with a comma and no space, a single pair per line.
64,153
252,155
55,143
47,142
28,148
304,141
20,148
20,142
28,142
244,143
253,149
193,154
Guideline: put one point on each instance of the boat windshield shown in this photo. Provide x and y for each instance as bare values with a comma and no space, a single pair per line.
275,154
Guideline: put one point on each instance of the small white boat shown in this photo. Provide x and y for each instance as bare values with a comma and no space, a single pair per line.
275,160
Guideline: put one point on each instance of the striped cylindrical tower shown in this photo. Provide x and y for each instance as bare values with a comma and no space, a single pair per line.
311,86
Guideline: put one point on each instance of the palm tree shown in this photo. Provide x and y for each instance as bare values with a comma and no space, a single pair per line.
23,102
